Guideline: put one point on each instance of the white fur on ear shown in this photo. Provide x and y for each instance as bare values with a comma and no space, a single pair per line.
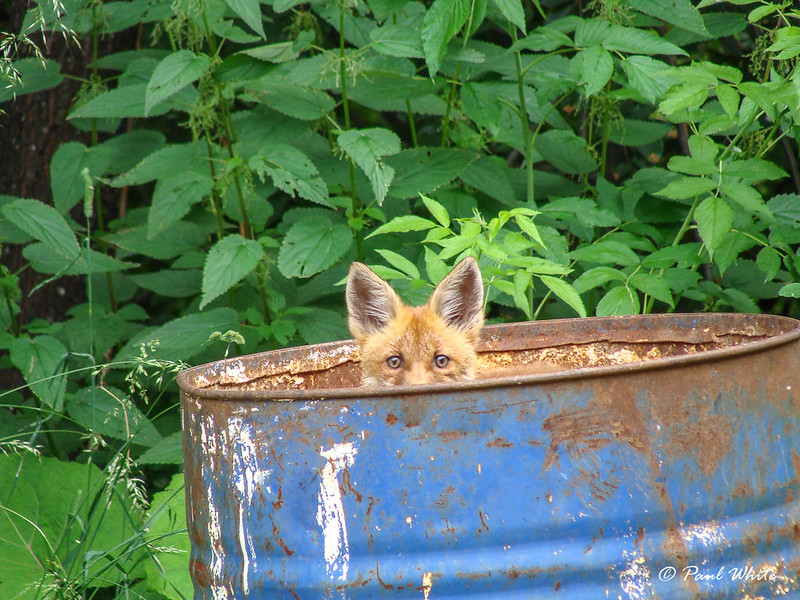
458,298
371,302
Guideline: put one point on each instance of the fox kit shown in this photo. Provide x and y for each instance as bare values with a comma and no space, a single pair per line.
403,344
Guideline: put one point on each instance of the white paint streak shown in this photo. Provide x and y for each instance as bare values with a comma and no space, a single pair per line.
246,479
330,511
208,442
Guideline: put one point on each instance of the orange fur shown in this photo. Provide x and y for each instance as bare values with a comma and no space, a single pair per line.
401,344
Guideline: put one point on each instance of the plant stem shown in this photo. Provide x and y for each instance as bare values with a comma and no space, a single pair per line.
524,122
411,124
356,207
450,100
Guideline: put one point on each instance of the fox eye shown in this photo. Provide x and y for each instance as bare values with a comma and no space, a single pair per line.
394,362
441,361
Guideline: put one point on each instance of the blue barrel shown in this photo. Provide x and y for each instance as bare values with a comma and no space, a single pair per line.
663,461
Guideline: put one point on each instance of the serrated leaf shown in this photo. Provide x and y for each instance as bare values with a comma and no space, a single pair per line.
44,260
769,261
597,277
622,39
435,267
66,168
35,75
522,283
291,171
181,238
404,224
654,286
229,261
320,325
181,338
565,292
118,103
172,74
618,301
745,196
438,211
649,77
566,151
490,175
399,40
683,188
714,219
753,169
42,362
292,99
111,413
250,12
367,147
729,99
399,262
312,245
513,11
595,67
425,170
785,208
683,96
45,224
443,20
168,451
173,197
606,251
164,163
678,12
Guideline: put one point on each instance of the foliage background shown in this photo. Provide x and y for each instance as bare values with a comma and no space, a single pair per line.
191,178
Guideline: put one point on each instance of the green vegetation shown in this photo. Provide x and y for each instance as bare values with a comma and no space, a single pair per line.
607,158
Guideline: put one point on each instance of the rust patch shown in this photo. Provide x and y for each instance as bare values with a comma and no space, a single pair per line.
499,443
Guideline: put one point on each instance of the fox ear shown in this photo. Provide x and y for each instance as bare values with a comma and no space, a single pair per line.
458,298
371,302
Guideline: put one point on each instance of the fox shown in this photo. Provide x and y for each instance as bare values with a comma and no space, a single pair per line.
404,345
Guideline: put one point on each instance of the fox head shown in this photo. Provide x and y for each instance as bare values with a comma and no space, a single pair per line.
403,344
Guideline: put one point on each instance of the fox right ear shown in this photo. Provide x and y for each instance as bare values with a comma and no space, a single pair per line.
371,302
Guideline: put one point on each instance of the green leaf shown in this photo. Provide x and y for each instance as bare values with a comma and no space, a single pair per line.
292,99
682,188
171,283
597,277
753,169
595,68
312,245
66,167
490,175
35,75
729,99
790,290
522,283
618,301
367,147
606,251
435,267
168,574
173,197
167,451
172,74
250,12
565,151
318,325
111,413
714,219
654,286
649,77
181,338
438,211
683,96
399,262
745,196
592,32
174,241
291,171
395,39
45,224
677,12
42,362
565,292
442,22
229,261
513,11
50,522
785,208
769,261
404,224
44,260
165,162
118,103
425,170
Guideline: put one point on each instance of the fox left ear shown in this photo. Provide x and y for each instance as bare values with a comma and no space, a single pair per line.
458,298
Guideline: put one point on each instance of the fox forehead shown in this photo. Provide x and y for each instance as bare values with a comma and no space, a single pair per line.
417,330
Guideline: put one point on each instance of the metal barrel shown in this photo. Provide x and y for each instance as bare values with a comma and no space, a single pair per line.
662,461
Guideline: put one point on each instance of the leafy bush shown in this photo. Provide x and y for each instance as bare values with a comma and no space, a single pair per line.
637,157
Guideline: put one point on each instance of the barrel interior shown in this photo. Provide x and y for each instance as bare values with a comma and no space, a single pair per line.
509,350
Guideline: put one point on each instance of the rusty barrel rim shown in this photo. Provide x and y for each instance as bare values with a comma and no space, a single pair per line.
790,333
